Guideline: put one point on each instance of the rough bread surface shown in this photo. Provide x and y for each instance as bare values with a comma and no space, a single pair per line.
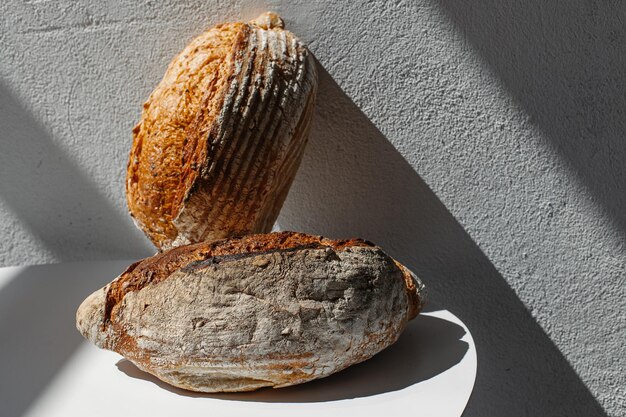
221,137
267,310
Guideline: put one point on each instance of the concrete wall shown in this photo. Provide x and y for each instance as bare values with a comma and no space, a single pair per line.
481,143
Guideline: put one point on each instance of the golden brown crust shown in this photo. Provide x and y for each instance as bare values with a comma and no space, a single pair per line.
416,300
199,74
255,150
222,135
194,150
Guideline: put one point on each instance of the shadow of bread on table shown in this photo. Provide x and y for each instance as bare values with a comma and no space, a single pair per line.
427,347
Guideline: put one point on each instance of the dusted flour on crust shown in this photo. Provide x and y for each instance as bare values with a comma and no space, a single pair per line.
268,310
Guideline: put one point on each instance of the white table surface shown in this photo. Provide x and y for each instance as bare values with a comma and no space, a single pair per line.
47,370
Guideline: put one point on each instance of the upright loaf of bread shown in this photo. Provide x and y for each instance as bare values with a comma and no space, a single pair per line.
268,310
222,135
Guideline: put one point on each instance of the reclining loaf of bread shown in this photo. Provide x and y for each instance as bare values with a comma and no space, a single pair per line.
268,310
222,135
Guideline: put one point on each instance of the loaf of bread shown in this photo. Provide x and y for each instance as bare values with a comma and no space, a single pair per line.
222,135
268,310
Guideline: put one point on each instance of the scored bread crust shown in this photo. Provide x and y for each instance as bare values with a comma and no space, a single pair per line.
222,136
161,265
265,310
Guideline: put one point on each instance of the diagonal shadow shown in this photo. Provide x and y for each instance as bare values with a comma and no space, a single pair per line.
352,182
427,347
37,333
52,198
566,65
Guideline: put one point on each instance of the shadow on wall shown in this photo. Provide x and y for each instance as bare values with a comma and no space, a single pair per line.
37,333
566,65
52,198
353,182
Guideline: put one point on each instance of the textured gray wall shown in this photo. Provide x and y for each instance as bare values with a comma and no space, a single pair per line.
481,143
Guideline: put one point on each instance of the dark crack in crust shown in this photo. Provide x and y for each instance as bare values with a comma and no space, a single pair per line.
160,160
204,129
160,266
